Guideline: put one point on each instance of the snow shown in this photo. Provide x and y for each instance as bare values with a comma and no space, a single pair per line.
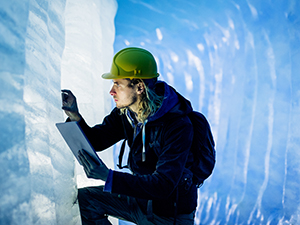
237,61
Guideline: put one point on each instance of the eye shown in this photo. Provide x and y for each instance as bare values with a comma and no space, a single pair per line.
116,84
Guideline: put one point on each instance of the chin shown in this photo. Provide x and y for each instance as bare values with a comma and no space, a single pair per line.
120,107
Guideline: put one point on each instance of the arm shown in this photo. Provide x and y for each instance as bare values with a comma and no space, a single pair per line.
100,136
104,135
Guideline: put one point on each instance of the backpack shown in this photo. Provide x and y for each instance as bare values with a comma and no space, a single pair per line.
203,148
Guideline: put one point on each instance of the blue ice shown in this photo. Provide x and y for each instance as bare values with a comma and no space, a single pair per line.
237,62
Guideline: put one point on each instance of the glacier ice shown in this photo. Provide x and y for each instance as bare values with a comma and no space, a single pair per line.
237,61
44,48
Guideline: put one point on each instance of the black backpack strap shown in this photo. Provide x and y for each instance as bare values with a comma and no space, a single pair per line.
150,215
122,150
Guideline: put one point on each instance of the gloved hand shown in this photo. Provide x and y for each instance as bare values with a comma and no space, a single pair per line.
69,105
92,168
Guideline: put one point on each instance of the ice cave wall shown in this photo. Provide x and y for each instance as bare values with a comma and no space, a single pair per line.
238,63
37,179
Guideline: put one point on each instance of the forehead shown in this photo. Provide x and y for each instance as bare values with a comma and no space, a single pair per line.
120,81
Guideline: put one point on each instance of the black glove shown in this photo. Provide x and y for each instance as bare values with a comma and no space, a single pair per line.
92,168
69,105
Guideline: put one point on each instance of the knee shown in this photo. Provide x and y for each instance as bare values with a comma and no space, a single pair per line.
83,196
90,209
88,197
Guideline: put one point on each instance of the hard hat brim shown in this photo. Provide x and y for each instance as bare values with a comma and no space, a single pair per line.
112,76
109,76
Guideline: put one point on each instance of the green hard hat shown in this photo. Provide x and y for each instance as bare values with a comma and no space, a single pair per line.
132,63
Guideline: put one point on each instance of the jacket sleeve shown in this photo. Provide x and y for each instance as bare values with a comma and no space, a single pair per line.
104,135
175,146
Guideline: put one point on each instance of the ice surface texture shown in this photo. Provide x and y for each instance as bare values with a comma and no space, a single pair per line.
37,179
238,62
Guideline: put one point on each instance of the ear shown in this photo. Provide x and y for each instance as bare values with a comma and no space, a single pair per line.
140,88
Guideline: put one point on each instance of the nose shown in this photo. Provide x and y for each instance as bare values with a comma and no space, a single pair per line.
112,91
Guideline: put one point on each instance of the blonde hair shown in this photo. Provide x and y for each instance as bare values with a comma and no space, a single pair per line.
150,101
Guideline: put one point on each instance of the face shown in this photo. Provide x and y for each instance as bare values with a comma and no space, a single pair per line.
125,96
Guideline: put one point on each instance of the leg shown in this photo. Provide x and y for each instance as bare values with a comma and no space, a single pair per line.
95,205
183,219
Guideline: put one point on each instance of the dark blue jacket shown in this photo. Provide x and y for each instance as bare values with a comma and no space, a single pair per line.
164,173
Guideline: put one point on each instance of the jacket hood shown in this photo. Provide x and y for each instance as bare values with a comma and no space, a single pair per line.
174,103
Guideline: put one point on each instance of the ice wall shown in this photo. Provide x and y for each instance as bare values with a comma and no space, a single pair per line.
37,179
87,55
238,62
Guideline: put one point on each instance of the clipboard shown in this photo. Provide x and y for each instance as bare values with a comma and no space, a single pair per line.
76,139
